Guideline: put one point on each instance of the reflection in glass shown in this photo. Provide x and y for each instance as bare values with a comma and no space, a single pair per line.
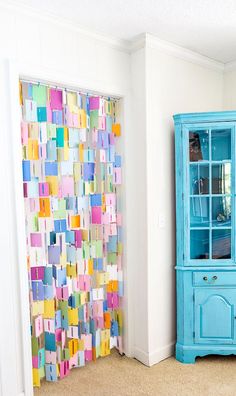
221,178
221,144
199,244
198,146
221,244
199,179
199,212
221,211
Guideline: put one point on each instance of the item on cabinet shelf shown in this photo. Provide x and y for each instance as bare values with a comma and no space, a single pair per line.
217,185
203,256
220,217
221,248
201,186
195,152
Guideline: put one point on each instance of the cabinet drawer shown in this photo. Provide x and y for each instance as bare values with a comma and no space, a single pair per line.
214,278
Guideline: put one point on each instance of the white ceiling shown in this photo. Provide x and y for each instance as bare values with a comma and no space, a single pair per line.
204,26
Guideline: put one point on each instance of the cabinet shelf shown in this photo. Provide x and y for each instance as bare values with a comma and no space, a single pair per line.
209,195
207,162
211,228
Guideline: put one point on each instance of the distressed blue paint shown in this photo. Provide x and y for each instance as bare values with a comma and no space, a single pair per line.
206,288
214,116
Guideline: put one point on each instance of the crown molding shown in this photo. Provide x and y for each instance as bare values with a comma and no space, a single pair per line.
151,41
144,40
138,42
230,66
46,16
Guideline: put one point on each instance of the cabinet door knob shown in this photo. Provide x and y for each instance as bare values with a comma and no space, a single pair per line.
205,278
214,277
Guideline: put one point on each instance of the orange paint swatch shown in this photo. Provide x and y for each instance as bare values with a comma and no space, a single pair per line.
116,129
44,205
75,221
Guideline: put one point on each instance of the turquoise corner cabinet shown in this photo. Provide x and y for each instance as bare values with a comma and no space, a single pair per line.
205,147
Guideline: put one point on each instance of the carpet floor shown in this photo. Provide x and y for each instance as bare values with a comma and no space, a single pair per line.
121,376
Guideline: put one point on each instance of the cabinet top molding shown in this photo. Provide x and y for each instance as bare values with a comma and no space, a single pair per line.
215,116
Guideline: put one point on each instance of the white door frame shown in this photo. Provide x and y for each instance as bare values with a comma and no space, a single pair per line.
35,73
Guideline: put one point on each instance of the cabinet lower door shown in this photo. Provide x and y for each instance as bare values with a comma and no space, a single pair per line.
215,316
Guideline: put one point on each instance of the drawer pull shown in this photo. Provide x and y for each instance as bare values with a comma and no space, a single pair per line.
205,278
214,277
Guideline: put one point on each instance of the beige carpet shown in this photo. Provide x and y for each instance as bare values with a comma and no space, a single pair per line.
117,375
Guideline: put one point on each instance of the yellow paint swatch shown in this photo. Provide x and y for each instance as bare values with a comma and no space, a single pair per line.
36,377
71,270
33,149
73,316
49,309
82,118
37,308
73,346
53,184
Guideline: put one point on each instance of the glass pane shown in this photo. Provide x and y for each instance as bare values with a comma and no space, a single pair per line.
221,244
199,212
198,146
221,211
221,144
199,244
199,179
221,179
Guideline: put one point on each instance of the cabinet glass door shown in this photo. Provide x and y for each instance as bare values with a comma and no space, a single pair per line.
210,193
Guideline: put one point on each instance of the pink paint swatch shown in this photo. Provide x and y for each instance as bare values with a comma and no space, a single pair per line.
56,99
67,186
78,238
36,239
37,273
94,103
49,112
96,215
38,323
24,132
50,357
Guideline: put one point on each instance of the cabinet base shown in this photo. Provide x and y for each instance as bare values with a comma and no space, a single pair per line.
188,354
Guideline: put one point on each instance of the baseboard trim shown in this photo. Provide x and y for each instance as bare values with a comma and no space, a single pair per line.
141,356
149,359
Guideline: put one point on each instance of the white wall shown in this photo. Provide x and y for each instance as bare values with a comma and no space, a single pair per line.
162,84
140,294
11,374
229,94
173,86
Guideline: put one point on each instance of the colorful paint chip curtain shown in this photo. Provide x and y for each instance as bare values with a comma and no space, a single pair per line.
71,182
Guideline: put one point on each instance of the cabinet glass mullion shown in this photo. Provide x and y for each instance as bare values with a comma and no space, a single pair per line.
221,143
210,199
232,191
198,193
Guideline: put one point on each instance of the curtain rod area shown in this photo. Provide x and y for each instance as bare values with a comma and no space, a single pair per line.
78,91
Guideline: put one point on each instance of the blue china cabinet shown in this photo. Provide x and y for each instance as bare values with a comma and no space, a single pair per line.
205,148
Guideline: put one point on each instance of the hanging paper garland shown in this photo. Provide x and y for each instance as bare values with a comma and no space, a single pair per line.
71,181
